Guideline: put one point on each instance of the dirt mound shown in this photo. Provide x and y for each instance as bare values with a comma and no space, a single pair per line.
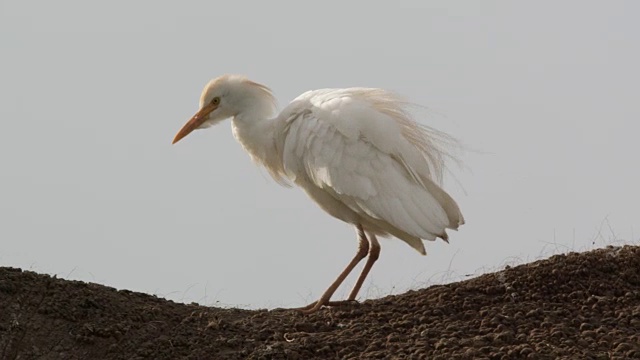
584,306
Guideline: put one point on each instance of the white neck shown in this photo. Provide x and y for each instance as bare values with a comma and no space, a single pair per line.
256,131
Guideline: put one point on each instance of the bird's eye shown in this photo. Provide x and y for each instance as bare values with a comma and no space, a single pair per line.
216,100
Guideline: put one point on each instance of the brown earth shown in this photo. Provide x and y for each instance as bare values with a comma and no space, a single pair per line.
575,306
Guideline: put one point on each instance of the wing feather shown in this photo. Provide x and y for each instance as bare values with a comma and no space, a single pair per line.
361,148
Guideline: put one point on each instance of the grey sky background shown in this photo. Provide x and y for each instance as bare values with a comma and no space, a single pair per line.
91,95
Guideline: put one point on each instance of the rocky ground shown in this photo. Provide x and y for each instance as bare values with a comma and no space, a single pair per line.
575,306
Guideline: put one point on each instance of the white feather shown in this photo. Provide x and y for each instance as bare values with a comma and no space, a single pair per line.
354,145
356,152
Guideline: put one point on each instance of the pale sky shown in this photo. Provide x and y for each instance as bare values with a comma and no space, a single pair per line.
544,95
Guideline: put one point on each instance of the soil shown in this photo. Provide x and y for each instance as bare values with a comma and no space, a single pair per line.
573,306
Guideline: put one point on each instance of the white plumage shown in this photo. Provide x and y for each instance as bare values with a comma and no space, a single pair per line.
356,152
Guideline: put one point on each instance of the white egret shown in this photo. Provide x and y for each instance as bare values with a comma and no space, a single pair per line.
356,152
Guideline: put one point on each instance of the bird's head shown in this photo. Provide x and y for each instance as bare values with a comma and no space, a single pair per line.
225,97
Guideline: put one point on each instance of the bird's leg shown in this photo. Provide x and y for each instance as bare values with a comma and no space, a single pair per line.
363,249
374,254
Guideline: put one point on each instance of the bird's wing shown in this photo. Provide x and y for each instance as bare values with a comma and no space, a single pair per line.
360,147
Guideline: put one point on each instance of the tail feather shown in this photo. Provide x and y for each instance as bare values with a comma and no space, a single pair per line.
449,205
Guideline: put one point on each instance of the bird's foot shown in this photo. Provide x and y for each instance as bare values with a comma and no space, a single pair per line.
317,305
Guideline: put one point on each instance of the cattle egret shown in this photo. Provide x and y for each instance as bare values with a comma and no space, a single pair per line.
356,152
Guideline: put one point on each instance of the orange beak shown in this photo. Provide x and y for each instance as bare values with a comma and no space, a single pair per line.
195,122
